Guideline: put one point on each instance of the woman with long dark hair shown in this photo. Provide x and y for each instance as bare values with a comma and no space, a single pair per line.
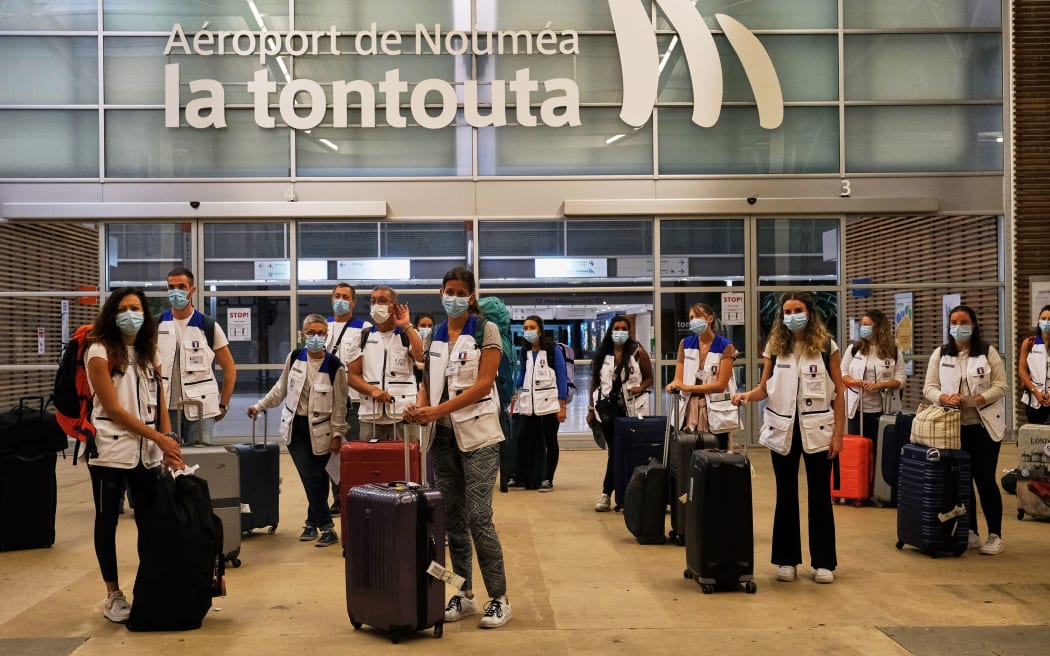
539,406
967,372
133,428
804,419
459,394
872,369
1034,372
621,376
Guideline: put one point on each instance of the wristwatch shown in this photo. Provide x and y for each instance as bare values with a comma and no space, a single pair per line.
223,406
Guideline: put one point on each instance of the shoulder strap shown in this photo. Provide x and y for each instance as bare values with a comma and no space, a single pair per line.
339,340
209,331
364,335
294,356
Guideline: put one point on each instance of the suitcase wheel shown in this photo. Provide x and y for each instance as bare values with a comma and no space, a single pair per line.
439,630
707,588
273,529
236,562
354,623
751,587
959,552
879,504
687,574
900,545
395,637
857,503
1020,514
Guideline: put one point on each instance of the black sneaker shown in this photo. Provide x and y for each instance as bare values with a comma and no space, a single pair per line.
513,483
546,486
328,538
309,534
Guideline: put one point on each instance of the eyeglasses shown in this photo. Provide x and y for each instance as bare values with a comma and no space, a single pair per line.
316,333
380,301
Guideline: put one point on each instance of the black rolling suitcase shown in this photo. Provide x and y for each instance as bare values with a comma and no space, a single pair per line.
260,481
720,543
395,531
893,439
29,438
932,495
681,449
637,440
645,501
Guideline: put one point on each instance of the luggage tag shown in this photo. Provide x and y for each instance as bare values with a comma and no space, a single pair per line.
448,576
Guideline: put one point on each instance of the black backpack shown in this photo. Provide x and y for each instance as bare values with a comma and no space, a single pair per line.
182,564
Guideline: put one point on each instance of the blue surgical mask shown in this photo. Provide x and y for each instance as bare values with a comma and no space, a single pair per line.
866,332
531,336
796,322
620,336
1044,326
698,326
961,333
179,298
315,343
423,333
129,322
454,306
341,306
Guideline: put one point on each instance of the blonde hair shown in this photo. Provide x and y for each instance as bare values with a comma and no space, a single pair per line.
815,336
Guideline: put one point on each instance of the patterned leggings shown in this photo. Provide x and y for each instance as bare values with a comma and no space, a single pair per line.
466,480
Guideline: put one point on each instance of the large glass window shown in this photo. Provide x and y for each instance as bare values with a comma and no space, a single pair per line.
915,67
247,256
706,251
808,142
142,254
360,14
160,15
944,14
50,143
139,146
798,252
924,138
769,14
552,253
70,66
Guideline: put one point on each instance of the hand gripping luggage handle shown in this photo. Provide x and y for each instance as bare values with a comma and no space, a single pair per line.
266,428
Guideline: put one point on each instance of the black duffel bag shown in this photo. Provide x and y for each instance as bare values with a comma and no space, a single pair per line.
29,430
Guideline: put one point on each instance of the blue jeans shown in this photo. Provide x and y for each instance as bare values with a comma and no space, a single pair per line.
312,473
190,432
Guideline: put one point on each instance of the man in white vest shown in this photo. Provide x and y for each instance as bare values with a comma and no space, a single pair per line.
189,343
344,342
384,371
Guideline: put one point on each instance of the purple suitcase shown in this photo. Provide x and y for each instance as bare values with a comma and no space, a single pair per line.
395,531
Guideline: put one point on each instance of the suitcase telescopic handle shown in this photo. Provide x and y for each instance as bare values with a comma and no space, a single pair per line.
22,404
408,459
266,427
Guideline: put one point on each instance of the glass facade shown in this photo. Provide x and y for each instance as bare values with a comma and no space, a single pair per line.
876,77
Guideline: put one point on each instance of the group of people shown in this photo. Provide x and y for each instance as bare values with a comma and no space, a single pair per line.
371,380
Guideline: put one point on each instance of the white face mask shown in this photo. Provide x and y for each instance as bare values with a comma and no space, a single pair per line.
380,313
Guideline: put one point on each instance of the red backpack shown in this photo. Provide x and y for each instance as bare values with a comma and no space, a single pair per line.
72,394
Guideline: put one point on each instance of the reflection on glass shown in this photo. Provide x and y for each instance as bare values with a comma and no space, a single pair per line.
142,254
798,251
702,250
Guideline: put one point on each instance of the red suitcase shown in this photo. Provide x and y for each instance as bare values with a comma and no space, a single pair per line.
851,473
361,463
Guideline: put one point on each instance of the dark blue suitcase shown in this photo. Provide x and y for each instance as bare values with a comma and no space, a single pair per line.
636,441
395,531
719,526
894,438
932,496
260,482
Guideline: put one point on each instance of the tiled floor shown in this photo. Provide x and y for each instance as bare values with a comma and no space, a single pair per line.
579,584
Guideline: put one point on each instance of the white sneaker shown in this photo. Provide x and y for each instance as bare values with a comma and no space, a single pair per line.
497,613
603,505
786,573
973,541
459,607
992,546
824,575
116,607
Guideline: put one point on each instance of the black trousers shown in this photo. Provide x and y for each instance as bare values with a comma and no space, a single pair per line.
107,488
787,540
984,460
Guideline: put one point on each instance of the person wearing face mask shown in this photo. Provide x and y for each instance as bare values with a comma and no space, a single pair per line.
1034,372
384,371
621,377
803,419
344,342
133,428
704,366
189,343
968,373
424,323
539,406
312,393
459,395
872,369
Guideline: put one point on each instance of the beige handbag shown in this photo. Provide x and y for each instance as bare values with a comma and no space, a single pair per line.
937,426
